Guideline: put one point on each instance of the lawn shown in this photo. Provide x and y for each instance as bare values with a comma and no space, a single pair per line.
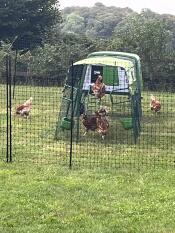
33,138
51,198
135,193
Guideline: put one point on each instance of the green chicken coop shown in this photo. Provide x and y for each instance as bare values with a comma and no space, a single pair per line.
121,74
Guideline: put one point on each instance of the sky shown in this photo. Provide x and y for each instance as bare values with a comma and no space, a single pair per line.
159,6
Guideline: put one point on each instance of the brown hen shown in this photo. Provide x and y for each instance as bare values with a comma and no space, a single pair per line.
25,108
96,122
98,87
155,104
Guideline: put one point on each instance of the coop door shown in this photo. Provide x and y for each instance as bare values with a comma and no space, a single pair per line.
96,70
75,75
110,75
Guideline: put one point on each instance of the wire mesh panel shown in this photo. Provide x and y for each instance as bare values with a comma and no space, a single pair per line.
137,129
94,149
118,125
103,112
155,145
3,121
157,142
34,126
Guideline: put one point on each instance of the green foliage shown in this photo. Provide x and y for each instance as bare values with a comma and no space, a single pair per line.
85,30
98,21
150,38
74,23
57,55
150,35
26,21
4,51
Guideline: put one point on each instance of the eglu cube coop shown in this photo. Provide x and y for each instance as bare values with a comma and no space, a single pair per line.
122,76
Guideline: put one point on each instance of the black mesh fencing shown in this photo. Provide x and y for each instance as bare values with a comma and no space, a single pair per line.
43,122
30,111
3,121
154,146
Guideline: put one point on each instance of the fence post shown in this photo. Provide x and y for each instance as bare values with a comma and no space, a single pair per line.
72,115
10,107
9,110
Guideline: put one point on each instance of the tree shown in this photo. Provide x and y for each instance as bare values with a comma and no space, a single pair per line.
147,35
57,55
24,22
74,23
98,21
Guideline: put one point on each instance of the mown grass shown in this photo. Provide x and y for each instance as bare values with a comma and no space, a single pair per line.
48,197
33,138
51,198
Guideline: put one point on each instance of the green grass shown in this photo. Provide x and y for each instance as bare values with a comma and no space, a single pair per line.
54,199
33,139
38,193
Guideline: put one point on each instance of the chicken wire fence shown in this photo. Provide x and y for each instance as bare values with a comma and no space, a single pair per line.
44,122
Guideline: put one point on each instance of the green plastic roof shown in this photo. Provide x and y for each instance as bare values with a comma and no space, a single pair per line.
128,61
134,58
115,54
107,60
